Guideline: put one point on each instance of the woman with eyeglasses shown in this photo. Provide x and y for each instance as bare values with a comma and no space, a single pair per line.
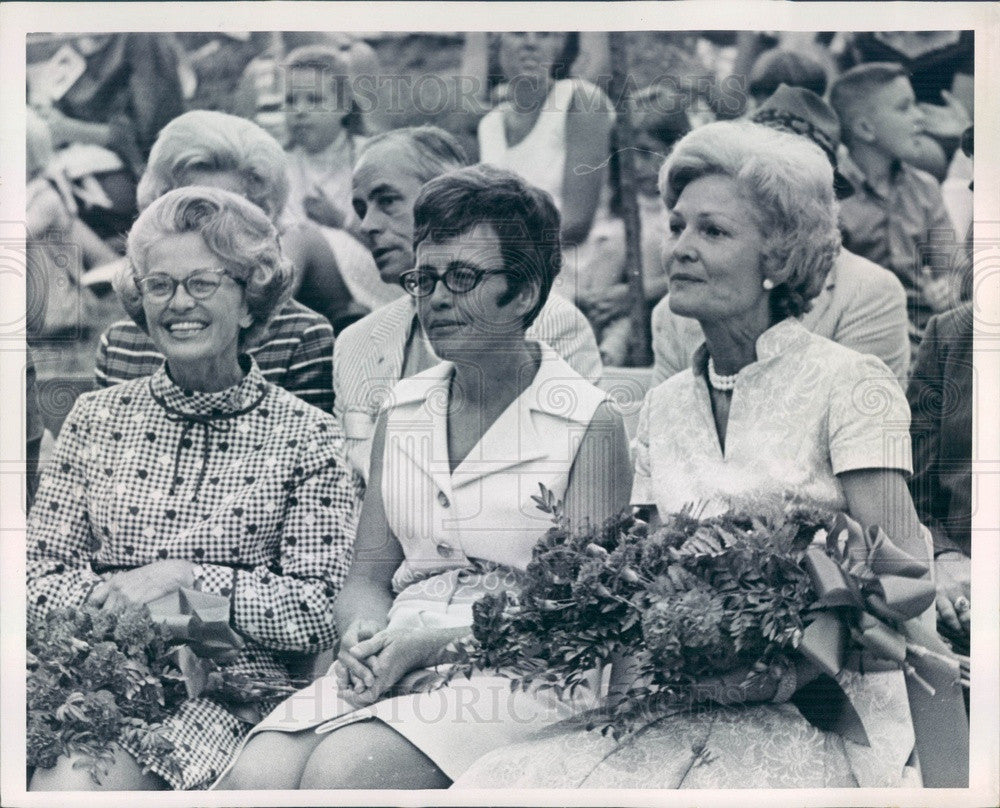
203,475
448,515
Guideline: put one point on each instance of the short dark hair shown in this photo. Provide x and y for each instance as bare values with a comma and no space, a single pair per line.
779,66
856,86
524,217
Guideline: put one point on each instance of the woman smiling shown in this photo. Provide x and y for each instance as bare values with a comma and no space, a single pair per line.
202,475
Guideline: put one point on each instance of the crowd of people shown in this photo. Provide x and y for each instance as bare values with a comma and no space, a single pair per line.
353,352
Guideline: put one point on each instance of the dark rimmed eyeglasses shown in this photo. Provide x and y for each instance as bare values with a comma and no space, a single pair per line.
201,284
457,280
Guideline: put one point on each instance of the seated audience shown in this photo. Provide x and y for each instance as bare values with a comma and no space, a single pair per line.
860,305
449,518
782,66
389,344
325,132
261,510
125,88
212,148
555,132
896,216
659,119
765,412
941,395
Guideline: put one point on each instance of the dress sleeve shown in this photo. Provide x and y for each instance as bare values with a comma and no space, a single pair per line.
60,543
101,377
287,605
642,484
310,373
869,419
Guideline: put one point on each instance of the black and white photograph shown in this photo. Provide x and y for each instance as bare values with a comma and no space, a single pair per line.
412,410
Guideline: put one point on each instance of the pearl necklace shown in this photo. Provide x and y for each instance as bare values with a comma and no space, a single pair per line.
724,384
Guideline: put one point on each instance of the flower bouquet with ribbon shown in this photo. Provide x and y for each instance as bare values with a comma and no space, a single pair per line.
731,608
96,676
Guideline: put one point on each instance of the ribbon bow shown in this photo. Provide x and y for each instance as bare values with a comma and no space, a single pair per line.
870,596
201,620
882,588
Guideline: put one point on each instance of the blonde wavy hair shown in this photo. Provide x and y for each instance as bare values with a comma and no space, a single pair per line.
236,231
789,182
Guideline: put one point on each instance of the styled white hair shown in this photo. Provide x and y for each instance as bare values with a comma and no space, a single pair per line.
205,140
233,229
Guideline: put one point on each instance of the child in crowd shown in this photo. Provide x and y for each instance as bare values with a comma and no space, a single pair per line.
325,131
324,128
659,119
896,216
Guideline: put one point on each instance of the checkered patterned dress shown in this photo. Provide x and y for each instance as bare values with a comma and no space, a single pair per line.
248,482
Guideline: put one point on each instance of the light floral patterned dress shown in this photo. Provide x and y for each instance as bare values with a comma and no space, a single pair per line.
805,411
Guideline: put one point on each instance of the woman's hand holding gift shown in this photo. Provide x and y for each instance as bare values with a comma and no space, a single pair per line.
143,584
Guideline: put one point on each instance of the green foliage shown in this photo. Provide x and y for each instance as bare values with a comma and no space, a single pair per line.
96,677
695,598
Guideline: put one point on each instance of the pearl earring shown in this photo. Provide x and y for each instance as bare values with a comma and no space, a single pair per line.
768,284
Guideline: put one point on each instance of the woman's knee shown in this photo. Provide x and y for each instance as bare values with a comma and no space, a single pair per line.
271,760
124,774
370,754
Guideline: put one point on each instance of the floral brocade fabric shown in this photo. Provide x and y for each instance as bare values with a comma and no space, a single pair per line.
764,746
805,411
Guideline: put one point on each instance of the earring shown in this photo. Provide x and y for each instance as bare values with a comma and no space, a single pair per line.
768,284
246,322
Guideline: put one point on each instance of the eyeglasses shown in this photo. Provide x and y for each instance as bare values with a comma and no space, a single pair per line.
458,280
201,284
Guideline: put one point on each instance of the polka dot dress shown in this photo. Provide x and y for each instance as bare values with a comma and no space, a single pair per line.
248,482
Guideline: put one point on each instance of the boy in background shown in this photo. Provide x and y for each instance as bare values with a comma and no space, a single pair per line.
896,216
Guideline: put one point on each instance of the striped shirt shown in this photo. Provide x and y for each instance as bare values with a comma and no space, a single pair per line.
296,354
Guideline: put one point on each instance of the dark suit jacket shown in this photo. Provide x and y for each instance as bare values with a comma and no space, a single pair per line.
940,395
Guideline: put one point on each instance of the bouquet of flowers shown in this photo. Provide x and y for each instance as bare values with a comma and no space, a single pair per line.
97,677
729,600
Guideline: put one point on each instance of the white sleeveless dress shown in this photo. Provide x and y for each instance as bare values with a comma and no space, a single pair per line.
541,160
462,533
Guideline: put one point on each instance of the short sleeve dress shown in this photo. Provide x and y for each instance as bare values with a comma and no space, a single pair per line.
248,482
462,534
806,410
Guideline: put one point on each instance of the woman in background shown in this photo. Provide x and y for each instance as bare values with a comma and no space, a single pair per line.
554,131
